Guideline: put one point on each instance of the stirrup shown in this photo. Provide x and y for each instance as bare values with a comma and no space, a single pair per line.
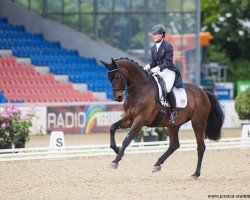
173,116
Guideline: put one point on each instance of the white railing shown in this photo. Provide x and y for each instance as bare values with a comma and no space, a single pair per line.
104,150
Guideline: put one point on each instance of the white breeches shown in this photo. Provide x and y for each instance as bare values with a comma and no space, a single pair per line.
169,78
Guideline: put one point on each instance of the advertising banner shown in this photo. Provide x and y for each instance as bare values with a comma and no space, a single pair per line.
86,119
242,86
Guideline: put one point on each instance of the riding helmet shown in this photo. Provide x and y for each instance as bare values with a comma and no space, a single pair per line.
158,29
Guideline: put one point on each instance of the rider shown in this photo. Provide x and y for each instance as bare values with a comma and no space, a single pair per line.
162,63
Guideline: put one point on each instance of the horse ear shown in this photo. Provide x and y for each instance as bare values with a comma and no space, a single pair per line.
114,64
104,63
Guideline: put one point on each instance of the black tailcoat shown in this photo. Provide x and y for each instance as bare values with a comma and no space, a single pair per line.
164,59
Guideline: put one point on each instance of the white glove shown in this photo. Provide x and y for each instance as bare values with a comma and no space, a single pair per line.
155,69
147,67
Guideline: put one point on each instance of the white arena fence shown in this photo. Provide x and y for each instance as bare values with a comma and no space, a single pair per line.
104,150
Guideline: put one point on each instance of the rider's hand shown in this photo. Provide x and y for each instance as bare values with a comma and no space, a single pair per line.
147,67
155,69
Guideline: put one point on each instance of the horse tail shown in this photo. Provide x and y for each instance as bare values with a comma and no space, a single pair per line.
215,118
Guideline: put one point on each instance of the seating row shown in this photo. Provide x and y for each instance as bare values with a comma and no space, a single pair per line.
41,98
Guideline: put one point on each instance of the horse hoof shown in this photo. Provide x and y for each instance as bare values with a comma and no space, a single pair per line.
113,165
194,177
156,169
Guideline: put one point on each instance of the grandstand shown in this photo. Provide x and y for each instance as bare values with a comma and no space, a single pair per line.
22,83
48,44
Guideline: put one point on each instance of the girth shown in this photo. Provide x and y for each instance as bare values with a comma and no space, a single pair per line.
159,116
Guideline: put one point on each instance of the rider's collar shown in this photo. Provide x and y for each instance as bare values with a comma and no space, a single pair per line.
160,41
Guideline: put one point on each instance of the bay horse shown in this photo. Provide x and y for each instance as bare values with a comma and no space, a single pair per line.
141,107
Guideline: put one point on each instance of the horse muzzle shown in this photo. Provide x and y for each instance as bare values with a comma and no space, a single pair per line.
119,97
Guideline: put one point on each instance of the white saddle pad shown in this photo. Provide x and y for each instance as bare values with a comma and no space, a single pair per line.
180,95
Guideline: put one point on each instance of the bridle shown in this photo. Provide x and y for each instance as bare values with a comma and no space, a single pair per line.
122,76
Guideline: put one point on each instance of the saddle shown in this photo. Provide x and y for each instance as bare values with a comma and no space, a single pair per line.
180,93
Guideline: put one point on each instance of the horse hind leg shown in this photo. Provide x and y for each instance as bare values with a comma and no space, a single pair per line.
199,129
173,146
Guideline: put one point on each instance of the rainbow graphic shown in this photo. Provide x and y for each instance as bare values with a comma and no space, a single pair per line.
91,113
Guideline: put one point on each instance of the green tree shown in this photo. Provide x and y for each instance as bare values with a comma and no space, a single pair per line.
229,23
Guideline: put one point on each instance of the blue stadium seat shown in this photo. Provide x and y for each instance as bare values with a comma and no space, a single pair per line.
59,60
2,98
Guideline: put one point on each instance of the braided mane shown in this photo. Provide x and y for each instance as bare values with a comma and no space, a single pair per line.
137,64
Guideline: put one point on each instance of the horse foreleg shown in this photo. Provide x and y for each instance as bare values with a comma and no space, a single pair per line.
136,126
123,123
173,145
113,146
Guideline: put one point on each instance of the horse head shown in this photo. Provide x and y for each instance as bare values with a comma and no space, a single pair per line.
116,78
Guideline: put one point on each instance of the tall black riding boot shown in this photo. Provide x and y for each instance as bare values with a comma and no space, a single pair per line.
172,102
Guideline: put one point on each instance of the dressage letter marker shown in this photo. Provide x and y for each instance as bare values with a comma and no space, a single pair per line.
57,140
245,133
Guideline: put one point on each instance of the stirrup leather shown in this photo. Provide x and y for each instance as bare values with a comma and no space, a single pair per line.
173,116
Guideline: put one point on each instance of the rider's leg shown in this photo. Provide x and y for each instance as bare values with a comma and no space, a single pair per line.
169,78
172,102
